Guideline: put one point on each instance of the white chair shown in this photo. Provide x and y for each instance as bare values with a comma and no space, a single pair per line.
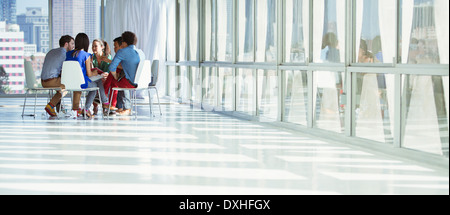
152,85
142,78
31,85
72,78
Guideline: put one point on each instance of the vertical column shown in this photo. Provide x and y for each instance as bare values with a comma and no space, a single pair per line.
310,119
50,26
281,30
235,48
349,54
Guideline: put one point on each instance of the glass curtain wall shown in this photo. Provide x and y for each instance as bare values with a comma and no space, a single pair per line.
24,42
375,44
372,69
70,17
424,34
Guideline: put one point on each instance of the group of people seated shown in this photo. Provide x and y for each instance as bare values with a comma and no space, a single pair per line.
119,72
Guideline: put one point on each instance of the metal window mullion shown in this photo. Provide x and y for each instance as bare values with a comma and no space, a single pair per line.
281,43
310,117
311,32
397,133
234,51
310,120
216,43
102,19
350,78
200,51
201,29
255,71
352,117
398,111
187,30
50,24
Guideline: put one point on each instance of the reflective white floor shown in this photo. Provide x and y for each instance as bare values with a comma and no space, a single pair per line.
190,152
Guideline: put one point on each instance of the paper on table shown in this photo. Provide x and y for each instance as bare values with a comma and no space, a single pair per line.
96,78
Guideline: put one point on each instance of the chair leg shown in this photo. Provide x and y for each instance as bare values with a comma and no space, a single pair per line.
25,102
159,103
135,103
150,101
35,99
101,102
111,92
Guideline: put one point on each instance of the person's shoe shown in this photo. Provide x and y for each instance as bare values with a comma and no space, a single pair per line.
112,108
86,113
74,114
108,113
95,109
51,110
125,112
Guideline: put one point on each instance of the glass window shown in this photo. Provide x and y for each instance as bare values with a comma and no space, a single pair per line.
329,101
296,97
375,31
193,30
173,82
266,28
184,84
424,32
297,31
19,42
246,91
73,17
196,94
210,86
225,30
182,34
268,94
329,26
425,113
171,33
226,85
374,113
210,30
246,29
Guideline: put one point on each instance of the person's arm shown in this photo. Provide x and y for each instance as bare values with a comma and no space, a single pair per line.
89,71
115,63
61,60
106,59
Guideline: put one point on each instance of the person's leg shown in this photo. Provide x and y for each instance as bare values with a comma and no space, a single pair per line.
76,100
110,83
119,102
55,103
54,83
126,102
91,96
102,95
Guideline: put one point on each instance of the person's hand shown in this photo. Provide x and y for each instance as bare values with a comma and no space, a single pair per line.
105,75
104,58
115,75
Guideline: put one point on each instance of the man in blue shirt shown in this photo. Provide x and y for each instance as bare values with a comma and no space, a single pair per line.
51,71
129,57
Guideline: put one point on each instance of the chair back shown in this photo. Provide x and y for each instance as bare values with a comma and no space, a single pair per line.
155,70
72,75
143,74
29,75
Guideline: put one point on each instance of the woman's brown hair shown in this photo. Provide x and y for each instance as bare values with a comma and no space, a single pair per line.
81,42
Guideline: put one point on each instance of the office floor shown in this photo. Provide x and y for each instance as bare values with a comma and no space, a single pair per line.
189,151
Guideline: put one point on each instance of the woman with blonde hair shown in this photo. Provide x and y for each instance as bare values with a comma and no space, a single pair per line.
85,59
100,62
